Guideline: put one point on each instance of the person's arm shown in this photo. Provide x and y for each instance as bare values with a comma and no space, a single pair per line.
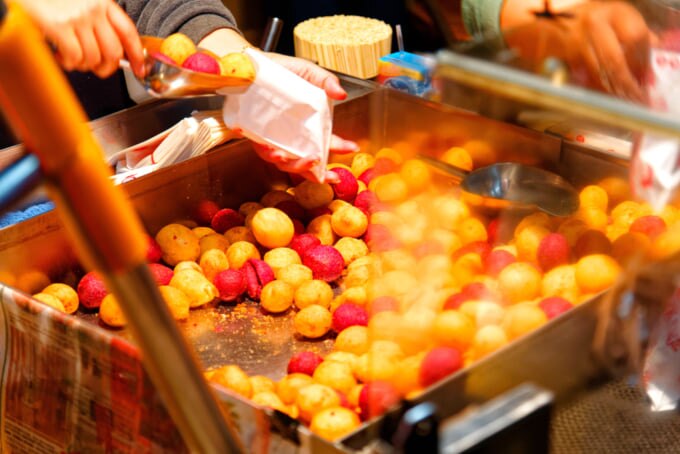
88,35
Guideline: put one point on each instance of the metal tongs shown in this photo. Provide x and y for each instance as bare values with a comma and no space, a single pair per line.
513,185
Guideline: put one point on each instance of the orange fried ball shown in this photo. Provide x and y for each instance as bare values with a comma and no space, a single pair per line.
521,319
458,157
272,228
453,329
520,281
593,196
597,272
389,188
313,321
416,174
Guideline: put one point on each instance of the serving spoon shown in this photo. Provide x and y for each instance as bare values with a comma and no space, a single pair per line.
512,185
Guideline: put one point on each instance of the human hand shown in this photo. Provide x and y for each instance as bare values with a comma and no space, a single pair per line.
302,166
327,81
312,73
606,45
89,35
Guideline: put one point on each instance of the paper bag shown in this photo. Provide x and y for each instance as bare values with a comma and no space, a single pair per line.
281,110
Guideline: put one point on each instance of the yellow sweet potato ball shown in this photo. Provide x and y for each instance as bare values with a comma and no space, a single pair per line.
313,292
561,281
362,162
281,257
312,195
277,296
212,262
51,301
202,231
315,397
272,228
268,399
295,274
261,384
178,47
187,265
178,243
288,387
240,233
66,294
351,249
335,374
111,313
313,321
353,340
213,241
322,228
234,378
334,422
240,252
177,302
487,340
275,196
195,286
349,221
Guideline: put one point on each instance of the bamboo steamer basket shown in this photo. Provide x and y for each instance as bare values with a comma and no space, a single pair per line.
346,44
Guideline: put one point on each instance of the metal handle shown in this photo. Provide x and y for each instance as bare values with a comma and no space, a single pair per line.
270,37
444,166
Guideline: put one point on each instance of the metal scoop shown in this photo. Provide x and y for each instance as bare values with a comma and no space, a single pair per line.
164,79
511,185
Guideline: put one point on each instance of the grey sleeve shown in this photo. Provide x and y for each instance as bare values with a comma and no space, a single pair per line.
194,18
482,17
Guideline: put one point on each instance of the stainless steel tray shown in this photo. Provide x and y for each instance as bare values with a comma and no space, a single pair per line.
557,356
